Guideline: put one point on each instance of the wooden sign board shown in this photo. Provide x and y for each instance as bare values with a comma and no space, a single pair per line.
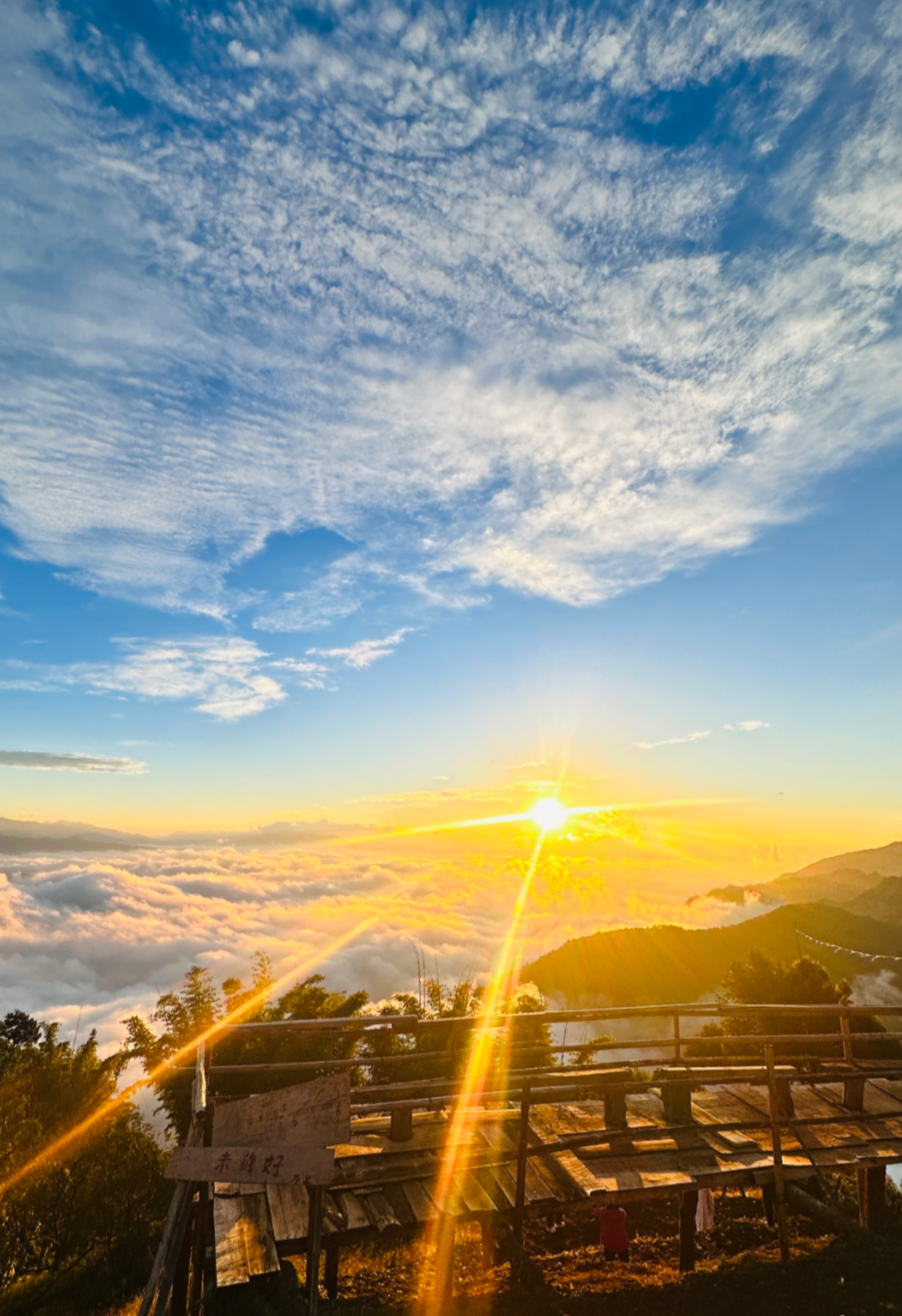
267,1164
317,1114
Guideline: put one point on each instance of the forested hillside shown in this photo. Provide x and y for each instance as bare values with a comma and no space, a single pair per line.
645,966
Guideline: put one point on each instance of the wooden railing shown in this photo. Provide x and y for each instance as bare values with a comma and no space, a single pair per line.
623,1058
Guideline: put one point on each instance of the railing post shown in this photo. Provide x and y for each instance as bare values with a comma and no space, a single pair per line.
853,1088
677,1040
779,1178
520,1201
202,1113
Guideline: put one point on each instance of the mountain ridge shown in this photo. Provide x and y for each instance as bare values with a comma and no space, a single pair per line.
670,964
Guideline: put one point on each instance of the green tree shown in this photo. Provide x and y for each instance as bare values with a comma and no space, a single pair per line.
95,1207
760,980
185,1014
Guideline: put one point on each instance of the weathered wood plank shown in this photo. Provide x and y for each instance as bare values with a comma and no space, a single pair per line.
244,1243
394,1195
355,1216
421,1204
380,1212
255,1165
289,1209
474,1196
310,1114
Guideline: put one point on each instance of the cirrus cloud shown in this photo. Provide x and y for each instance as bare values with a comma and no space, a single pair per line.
47,762
560,306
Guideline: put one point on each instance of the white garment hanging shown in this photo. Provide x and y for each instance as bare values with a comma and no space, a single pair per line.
704,1212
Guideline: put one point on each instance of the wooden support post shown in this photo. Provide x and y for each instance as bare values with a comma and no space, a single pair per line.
487,1230
314,1241
614,1107
443,1281
333,1253
520,1200
167,1273
688,1208
173,1232
872,1197
203,1114
853,1088
401,1125
779,1179
677,1040
677,1099
178,1302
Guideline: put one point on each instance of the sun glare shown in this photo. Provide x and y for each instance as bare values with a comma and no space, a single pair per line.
549,814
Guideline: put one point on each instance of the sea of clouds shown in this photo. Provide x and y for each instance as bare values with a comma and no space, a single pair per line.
90,939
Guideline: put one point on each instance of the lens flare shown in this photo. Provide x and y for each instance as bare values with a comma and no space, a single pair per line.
503,976
67,1140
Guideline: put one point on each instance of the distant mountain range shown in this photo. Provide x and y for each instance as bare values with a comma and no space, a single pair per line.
51,838
650,966
841,878
853,900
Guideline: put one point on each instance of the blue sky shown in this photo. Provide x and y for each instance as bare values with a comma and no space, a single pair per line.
395,394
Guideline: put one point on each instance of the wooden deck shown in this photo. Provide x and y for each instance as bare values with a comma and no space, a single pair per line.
573,1157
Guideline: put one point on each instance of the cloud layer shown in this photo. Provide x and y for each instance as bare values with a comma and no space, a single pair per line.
558,301
109,933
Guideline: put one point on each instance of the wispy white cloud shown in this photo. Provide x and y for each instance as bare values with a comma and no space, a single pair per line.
47,762
228,678
447,287
752,724
363,653
672,740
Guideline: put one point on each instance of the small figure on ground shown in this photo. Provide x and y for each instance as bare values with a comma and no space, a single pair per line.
613,1234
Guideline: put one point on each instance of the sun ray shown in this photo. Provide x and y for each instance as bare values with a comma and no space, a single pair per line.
529,816
478,1063
67,1140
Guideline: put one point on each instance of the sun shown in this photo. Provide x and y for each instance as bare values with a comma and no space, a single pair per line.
549,814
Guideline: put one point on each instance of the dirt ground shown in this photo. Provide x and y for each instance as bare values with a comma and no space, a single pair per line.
738,1273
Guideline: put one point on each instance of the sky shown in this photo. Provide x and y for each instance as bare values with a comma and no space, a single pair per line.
411,411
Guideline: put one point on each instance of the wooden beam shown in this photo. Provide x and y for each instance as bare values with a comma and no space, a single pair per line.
333,1261
872,1197
779,1182
688,1208
314,1242
522,1149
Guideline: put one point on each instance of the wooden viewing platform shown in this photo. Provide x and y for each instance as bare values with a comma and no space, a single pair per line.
540,1141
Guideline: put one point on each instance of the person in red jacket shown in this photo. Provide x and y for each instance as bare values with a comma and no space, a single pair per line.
613,1233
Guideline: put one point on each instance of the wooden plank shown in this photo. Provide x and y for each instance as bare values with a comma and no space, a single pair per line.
474,1196
380,1212
315,1114
538,1188
507,1181
289,1210
394,1195
421,1204
255,1165
500,1138
354,1214
488,1181
243,1239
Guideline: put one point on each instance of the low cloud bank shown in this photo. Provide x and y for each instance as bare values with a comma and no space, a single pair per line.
105,935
